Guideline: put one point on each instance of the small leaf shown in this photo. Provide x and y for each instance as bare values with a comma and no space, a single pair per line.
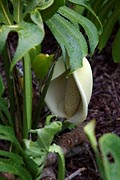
61,161
116,48
110,149
90,132
39,149
48,131
41,64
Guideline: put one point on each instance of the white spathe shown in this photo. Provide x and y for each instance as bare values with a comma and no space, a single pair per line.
55,97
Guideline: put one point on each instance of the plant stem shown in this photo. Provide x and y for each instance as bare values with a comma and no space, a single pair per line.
27,97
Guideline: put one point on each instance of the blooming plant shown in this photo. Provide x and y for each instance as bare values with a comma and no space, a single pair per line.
29,145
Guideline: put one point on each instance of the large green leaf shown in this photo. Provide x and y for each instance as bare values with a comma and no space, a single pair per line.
116,47
29,34
110,149
88,26
69,37
13,163
86,4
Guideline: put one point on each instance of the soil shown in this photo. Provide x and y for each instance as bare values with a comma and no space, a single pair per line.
104,107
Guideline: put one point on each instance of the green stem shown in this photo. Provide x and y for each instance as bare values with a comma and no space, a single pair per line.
27,98
5,13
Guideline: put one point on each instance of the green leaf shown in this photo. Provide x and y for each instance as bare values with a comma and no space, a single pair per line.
96,5
61,161
17,10
39,4
49,12
71,38
5,16
88,26
39,149
48,119
5,111
106,9
7,133
90,132
48,131
41,64
37,19
110,149
1,86
45,4
85,3
13,163
108,27
28,37
3,36
116,48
